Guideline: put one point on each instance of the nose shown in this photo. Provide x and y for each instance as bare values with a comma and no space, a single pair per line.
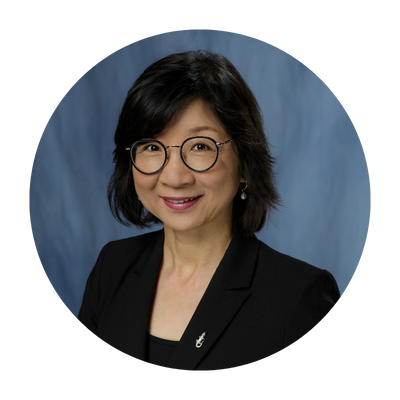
175,173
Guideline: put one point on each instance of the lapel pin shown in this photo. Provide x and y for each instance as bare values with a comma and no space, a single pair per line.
200,340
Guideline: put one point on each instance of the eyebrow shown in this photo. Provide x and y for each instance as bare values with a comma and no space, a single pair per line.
198,129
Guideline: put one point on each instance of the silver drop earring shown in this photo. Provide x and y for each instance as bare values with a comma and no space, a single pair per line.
243,195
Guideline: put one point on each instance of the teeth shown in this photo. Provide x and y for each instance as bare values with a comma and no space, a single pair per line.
180,201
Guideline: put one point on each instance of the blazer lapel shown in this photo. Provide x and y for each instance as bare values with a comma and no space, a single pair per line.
141,288
220,302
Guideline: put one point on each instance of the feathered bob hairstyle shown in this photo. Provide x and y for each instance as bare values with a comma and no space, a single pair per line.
162,90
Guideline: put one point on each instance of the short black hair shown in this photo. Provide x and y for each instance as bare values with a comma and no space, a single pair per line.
162,90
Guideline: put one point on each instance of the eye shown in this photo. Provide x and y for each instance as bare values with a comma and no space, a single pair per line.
200,147
151,148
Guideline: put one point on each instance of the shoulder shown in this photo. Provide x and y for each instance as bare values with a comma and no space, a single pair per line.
133,253
290,275
130,248
289,268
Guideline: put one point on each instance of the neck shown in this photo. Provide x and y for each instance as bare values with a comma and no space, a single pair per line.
195,252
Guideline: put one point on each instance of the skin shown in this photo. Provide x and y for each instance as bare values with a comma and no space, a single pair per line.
197,237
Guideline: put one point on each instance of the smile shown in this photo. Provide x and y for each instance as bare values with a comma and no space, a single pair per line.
180,203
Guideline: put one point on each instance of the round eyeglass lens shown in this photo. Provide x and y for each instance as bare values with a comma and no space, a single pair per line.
148,156
199,153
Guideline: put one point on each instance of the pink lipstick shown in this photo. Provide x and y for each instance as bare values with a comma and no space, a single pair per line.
180,203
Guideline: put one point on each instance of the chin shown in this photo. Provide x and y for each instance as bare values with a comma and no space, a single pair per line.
184,226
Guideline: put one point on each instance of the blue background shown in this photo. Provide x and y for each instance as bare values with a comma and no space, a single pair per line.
321,169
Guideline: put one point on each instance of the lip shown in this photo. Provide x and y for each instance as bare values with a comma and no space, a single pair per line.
180,203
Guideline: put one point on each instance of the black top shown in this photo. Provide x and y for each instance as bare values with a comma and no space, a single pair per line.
258,302
159,351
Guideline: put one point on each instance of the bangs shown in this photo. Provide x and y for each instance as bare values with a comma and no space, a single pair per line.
157,113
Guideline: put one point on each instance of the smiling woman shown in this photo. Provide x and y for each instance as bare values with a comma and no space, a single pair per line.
191,153
229,110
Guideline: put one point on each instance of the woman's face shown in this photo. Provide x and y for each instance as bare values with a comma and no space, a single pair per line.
211,193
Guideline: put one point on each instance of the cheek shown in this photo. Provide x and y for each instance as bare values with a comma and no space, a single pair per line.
225,182
143,183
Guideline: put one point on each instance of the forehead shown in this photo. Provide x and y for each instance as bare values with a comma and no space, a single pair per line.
194,119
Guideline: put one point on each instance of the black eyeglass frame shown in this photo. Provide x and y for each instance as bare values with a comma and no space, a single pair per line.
180,147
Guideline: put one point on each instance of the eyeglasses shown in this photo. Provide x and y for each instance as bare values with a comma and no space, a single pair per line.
198,153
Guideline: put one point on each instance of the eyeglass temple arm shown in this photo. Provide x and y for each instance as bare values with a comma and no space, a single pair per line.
228,141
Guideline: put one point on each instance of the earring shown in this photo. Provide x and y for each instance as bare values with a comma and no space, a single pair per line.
243,195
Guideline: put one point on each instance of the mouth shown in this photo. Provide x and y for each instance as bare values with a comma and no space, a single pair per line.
180,203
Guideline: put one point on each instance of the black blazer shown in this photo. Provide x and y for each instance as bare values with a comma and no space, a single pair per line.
258,302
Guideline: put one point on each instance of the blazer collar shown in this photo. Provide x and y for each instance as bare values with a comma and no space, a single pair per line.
237,266
219,304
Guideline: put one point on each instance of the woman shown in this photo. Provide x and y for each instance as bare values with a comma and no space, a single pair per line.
204,292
